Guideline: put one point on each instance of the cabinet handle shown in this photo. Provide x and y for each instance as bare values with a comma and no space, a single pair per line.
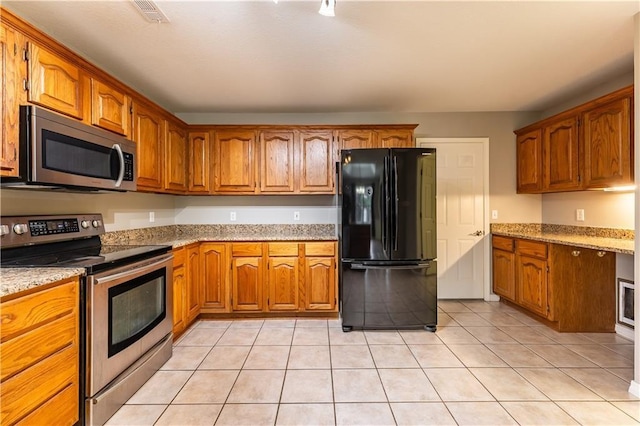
601,253
575,253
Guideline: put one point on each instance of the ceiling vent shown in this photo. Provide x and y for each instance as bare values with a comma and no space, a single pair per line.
150,11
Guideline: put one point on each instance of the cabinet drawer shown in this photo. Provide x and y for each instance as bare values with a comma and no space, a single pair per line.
179,256
246,249
320,249
283,249
532,248
32,347
502,243
62,409
34,386
24,313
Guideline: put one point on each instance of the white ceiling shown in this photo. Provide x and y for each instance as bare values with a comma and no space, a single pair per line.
390,56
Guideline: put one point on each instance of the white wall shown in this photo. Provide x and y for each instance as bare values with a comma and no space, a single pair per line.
313,209
119,210
601,209
609,210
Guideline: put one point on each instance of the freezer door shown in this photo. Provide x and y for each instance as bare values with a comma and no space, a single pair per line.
388,298
365,204
413,204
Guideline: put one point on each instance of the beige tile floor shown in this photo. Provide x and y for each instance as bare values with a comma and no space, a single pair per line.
487,364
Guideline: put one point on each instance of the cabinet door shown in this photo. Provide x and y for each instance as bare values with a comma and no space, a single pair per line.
319,283
194,284
607,145
235,164
179,285
110,109
282,283
215,274
276,161
199,162
149,136
532,284
394,139
504,282
13,71
560,156
529,161
354,139
247,280
54,82
175,166
315,168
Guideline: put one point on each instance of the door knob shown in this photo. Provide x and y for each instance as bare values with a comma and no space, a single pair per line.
478,233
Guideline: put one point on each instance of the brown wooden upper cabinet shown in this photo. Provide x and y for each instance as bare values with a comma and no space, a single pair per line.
235,169
394,138
315,166
608,144
13,72
110,108
529,159
587,147
54,82
149,135
176,156
200,162
276,161
560,161
354,139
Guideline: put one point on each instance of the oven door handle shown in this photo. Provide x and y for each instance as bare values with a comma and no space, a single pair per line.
132,271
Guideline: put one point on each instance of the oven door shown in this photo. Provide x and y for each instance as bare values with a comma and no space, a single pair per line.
129,310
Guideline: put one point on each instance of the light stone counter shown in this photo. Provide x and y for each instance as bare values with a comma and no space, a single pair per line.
607,239
14,280
181,235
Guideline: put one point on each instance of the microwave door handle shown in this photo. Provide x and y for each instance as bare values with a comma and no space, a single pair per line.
121,172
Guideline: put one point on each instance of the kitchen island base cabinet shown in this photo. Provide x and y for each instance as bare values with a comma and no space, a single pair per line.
569,288
40,354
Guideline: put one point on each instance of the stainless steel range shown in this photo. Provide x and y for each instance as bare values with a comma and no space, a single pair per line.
126,297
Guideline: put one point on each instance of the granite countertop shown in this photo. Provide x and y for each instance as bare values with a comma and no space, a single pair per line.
607,239
14,280
182,235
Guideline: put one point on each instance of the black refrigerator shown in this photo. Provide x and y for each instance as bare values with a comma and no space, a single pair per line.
388,238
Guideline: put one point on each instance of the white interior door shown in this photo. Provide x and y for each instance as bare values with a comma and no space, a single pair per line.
461,174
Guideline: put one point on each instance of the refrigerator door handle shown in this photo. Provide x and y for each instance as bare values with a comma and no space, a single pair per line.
395,202
385,210
391,267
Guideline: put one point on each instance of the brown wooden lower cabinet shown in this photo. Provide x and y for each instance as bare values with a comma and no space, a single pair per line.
254,278
40,353
572,288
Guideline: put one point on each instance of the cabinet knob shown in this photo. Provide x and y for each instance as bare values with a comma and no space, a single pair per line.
575,253
601,253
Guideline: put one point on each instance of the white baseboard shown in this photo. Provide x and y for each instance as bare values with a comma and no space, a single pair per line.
634,388
626,332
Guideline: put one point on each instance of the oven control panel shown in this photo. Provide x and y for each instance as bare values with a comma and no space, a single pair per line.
27,230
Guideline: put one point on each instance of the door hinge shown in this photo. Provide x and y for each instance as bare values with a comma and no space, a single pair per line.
15,49
25,84
15,153
579,178
131,110
547,268
25,55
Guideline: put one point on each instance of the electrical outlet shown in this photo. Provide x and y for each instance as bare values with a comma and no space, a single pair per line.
580,215
494,214
152,217
296,215
232,216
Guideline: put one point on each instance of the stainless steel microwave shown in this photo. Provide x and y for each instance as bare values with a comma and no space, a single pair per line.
56,151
